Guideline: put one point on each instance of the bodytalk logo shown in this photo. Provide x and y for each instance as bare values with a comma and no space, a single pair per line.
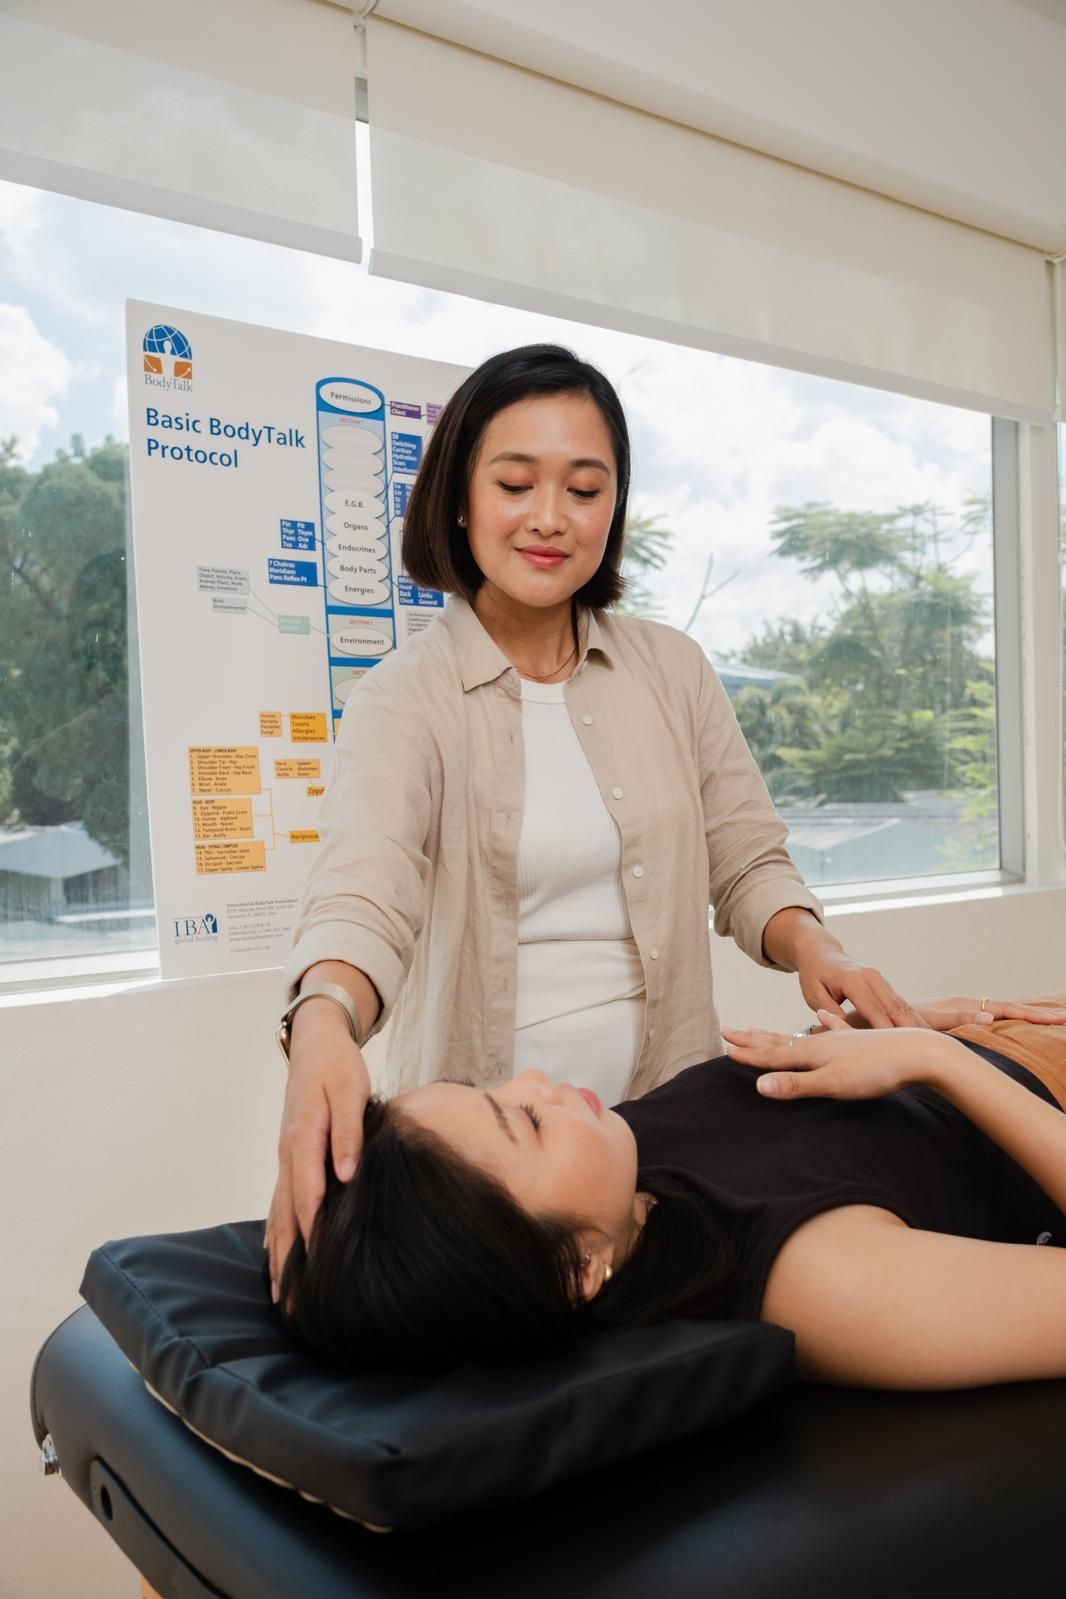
199,927
167,356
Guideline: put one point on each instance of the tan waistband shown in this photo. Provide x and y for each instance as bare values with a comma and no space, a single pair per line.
1040,1048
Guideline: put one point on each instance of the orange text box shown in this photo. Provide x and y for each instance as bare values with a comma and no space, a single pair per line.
315,790
222,818
269,724
224,769
307,727
297,768
305,835
235,857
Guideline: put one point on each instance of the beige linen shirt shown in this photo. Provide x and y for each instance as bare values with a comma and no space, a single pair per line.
416,880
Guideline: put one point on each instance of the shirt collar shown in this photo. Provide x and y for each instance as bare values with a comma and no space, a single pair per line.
480,658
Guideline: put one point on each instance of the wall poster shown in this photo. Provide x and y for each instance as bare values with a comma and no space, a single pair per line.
270,474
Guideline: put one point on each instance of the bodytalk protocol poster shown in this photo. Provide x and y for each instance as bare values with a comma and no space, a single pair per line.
270,473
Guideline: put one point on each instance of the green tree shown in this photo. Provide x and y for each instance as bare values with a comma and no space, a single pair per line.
63,646
647,549
784,646
900,696
865,757
972,738
782,724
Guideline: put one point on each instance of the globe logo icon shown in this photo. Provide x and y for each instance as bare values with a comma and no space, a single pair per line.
162,344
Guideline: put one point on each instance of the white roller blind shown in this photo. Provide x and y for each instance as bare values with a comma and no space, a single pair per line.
233,114
492,181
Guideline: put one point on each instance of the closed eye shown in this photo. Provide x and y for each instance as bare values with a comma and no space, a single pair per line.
533,1116
523,488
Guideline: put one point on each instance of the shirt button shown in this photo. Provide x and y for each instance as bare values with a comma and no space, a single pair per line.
638,871
617,792
654,953
587,719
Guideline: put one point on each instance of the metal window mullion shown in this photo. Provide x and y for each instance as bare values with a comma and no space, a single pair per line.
1007,602
1041,652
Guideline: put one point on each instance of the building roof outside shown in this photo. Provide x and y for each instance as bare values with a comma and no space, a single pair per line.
53,852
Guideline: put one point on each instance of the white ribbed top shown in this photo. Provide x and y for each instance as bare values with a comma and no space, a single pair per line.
579,1010
569,852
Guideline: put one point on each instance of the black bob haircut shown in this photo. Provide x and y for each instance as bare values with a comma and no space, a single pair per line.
423,1262
436,552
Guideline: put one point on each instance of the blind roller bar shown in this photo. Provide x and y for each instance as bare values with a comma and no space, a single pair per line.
127,194
495,182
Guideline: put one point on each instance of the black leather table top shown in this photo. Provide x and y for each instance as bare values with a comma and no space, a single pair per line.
818,1494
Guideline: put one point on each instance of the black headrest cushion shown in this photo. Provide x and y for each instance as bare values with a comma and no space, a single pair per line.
192,1313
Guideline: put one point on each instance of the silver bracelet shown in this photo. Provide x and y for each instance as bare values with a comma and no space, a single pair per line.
340,996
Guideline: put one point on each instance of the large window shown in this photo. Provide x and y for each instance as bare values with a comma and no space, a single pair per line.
830,547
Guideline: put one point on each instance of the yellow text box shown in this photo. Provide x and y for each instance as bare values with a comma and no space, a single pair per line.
305,835
315,790
307,727
298,768
224,769
269,724
222,818
234,857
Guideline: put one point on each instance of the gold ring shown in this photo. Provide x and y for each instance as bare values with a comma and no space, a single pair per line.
984,1003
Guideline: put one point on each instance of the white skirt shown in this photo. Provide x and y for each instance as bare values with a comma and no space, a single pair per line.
580,1013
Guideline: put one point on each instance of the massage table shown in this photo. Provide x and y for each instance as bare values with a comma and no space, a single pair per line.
816,1493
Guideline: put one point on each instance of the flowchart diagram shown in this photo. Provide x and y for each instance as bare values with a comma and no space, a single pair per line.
230,834
365,471
268,507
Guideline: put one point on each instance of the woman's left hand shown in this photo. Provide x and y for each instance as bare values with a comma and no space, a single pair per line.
957,1010
828,976
837,1064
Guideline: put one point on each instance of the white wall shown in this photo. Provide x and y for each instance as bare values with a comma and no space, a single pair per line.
155,1108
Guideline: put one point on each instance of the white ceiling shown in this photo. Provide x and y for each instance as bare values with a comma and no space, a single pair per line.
957,106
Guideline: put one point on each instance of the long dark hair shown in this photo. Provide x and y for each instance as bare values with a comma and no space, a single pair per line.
423,1262
436,552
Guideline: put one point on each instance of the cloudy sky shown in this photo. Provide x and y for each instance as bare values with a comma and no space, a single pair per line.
719,443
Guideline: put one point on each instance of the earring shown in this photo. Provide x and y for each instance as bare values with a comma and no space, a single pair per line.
607,1274
462,519
588,1258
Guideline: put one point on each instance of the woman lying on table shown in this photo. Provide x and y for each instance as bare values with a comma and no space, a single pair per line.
881,1193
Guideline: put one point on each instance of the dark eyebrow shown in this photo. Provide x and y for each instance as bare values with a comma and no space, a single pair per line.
530,460
502,1119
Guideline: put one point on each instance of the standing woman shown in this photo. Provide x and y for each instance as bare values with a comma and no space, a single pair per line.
533,803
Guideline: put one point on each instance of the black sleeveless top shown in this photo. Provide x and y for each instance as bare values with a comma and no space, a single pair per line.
769,1166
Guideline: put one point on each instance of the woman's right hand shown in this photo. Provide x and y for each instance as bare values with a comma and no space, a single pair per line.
326,1096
